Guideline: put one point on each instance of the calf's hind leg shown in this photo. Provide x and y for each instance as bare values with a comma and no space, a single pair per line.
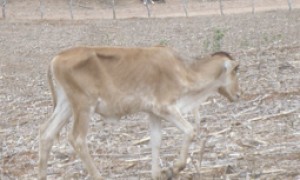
77,139
48,132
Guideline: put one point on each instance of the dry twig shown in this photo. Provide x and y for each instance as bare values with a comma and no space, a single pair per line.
272,115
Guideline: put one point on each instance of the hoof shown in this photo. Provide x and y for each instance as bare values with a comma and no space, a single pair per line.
178,166
167,174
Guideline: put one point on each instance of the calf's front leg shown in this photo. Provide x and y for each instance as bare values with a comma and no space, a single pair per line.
173,115
155,134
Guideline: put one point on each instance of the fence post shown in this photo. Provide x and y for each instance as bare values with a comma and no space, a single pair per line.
185,3
290,5
253,6
3,8
113,7
71,8
41,9
148,10
221,7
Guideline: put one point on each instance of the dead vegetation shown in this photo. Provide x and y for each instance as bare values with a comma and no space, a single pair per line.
257,138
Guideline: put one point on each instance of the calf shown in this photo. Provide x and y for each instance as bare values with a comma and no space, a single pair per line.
116,81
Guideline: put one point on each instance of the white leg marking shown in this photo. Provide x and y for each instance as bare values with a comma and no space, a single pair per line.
48,131
155,134
173,115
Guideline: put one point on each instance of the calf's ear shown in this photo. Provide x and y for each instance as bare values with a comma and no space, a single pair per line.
236,66
227,65
230,65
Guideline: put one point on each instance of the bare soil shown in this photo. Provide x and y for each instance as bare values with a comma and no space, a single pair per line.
257,138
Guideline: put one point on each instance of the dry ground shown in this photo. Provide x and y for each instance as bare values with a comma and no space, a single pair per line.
257,138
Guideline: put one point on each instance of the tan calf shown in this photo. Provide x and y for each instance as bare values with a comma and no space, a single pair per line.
115,81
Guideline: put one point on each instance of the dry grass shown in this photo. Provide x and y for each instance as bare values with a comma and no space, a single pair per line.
257,138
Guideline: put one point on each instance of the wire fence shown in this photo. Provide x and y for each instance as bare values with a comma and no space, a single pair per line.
115,9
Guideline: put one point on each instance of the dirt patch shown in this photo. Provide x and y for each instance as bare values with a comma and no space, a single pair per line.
255,138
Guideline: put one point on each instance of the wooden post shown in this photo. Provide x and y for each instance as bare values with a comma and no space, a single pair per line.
290,5
148,10
221,7
185,4
253,6
71,8
42,9
114,10
3,8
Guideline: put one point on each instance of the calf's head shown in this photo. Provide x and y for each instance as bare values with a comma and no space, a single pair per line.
229,81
